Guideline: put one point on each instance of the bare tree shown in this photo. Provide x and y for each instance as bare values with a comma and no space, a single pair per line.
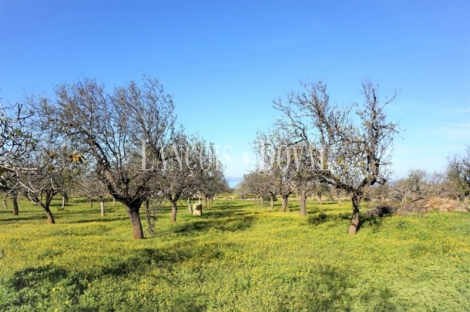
242,190
88,185
260,184
321,189
43,173
417,183
191,167
458,173
176,175
353,152
210,180
289,165
400,190
122,134
15,141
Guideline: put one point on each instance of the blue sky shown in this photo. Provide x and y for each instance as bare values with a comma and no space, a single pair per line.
225,61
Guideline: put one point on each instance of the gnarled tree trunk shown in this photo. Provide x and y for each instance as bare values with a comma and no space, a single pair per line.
14,198
135,221
354,225
50,217
285,202
319,194
174,209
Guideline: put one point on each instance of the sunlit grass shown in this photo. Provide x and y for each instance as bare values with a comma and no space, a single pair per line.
236,257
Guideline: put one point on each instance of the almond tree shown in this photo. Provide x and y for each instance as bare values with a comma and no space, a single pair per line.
257,185
191,167
458,173
43,171
289,164
210,179
121,132
178,171
15,141
42,177
353,150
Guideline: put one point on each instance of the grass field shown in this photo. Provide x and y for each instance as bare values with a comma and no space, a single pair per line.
236,257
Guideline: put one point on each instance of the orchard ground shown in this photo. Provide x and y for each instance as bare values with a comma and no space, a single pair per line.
237,256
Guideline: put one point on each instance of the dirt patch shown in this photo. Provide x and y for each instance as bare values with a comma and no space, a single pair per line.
433,203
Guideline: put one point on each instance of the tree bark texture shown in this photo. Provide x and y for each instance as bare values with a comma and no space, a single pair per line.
354,225
135,221
14,198
285,202
174,210
190,206
50,217
303,203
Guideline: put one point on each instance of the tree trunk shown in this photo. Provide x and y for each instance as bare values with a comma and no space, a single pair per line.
135,221
102,205
285,201
63,202
354,225
303,203
262,202
272,201
150,218
190,206
319,198
50,217
114,201
91,203
4,202
174,209
14,198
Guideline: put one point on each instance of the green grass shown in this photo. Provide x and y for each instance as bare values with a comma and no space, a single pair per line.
236,257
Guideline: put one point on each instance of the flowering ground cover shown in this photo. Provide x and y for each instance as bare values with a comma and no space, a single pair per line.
237,256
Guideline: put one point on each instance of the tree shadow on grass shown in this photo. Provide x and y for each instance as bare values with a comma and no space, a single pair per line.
216,214
15,219
237,223
371,222
33,285
166,258
320,217
99,220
